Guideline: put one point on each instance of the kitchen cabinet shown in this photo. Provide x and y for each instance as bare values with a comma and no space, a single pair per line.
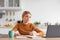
9,4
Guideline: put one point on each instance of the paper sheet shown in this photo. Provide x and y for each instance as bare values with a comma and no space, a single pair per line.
21,37
34,37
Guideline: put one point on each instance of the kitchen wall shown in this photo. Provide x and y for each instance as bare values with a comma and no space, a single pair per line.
42,10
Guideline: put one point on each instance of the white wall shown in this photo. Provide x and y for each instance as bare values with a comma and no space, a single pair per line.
43,10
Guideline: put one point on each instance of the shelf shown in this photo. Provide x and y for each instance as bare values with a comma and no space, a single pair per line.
6,27
10,8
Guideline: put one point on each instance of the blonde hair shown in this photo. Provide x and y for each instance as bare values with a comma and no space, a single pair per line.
25,12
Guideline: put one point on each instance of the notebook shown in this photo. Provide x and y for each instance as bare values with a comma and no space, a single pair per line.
53,31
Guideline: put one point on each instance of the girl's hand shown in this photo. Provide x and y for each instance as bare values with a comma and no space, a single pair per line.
17,35
33,33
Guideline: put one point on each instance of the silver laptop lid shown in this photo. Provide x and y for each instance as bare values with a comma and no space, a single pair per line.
53,31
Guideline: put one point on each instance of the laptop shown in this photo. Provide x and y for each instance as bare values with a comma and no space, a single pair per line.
53,31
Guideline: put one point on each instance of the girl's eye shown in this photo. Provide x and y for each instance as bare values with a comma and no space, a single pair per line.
28,16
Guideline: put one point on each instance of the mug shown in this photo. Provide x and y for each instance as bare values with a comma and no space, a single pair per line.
11,34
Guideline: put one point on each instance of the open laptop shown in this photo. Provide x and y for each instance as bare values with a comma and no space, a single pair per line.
53,31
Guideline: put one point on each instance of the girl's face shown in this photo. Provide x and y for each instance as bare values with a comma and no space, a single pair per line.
26,17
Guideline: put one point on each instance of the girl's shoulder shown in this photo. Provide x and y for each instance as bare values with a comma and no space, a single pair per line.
32,24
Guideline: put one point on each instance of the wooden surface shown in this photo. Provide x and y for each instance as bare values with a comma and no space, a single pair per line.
29,39
6,37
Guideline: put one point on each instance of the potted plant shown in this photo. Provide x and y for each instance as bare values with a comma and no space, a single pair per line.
37,23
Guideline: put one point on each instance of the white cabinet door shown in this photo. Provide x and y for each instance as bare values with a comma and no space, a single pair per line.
13,3
9,3
1,3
